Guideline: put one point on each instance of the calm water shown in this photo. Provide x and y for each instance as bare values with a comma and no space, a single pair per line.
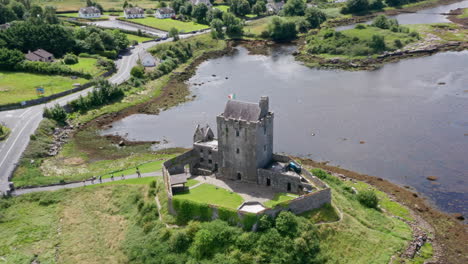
411,126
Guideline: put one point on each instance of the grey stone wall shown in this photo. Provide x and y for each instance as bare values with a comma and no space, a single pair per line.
303,203
177,164
282,182
207,157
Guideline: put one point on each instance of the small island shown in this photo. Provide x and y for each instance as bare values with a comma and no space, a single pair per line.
367,47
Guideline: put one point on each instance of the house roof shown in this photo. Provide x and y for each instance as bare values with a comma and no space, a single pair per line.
178,179
166,10
134,10
90,10
242,110
38,54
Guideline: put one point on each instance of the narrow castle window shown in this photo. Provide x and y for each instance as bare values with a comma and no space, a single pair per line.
264,130
201,150
202,159
237,151
210,161
289,186
209,151
237,133
239,176
264,147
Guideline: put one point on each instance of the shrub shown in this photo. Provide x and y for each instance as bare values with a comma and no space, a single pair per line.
360,26
320,173
377,43
398,43
381,21
248,221
138,71
70,59
228,215
56,113
103,93
286,223
368,198
49,68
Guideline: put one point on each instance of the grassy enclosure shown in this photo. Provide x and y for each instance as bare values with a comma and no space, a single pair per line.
168,23
19,86
210,194
280,198
87,65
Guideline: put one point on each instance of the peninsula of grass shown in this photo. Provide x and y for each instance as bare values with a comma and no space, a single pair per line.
280,198
210,194
16,87
167,24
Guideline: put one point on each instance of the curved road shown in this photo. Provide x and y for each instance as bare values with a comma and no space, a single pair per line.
23,122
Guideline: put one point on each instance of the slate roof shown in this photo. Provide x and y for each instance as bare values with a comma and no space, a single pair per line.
242,111
38,54
90,10
134,10
178,179
166,10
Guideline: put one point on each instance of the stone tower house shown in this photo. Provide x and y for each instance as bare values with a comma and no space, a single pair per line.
245,139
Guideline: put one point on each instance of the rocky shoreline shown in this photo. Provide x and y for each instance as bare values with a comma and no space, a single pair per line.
453,16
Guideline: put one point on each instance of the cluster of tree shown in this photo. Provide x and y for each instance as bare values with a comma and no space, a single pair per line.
294,8
95,4
282,29
286,239
10,58
103,93
361,6
229,24
23,10
70,59
104,42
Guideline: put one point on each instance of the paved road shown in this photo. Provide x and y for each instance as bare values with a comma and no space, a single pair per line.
23,122
81,184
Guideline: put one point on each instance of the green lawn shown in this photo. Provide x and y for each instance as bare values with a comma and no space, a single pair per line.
210,194
223,8
154,166
18,86
88,65
75,5
279,198
168,23
191,182
137,38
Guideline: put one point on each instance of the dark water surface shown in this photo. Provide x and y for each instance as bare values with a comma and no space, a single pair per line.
411,126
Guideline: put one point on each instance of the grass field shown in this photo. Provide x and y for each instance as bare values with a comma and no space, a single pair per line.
279,198
167,24
210,194
259,25
83,225
17,86
137,38
76,15
384,235
223,8
464,14
154,166
325,214
88,65
191,182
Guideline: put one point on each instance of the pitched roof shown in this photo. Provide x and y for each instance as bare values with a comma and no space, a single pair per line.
242,110
90,10
43,53
134,10
166,10
38,54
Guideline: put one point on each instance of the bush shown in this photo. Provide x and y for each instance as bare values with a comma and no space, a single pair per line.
70,59
138,72
103,93
368,198
377,43
10,58
360,26
49,68
228,215
56,113
320,173
398,43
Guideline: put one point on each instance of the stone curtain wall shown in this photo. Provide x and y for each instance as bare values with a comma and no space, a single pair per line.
302,204
279,181
176,165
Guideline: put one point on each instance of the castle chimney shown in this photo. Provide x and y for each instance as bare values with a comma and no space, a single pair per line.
263,106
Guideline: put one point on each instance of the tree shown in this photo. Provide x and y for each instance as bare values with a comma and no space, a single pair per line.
281,30
239,7
217,28
6,14
213,13
394,2
186,9
94,43
315,17
368,198
174,33
259,7
177,4
202,245
18,8
125,4
56,113
286,223
234,26
294,8
199,12
50,16
381,21
302,25
35,12
356,6
377,43
10,58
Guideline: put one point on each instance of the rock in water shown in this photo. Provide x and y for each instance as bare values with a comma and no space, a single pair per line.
432,178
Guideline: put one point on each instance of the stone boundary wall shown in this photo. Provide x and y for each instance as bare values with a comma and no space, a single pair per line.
302,204
46,99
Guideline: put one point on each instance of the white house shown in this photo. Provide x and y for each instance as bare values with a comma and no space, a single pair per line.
164,12
274,7
206,2
134,12
89,12
146,59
